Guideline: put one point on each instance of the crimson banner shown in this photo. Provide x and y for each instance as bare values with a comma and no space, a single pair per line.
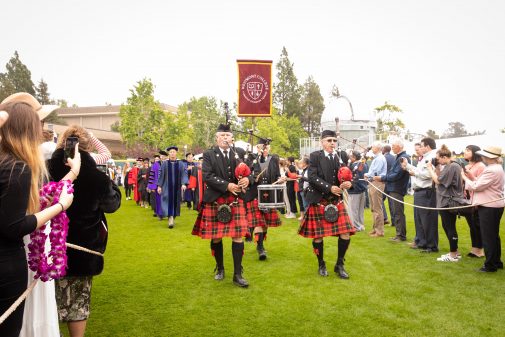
254,88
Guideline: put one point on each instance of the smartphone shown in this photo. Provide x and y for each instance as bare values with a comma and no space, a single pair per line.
69,150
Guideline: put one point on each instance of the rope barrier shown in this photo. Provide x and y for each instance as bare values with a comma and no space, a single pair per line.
76,247
28,290
16,304
432,208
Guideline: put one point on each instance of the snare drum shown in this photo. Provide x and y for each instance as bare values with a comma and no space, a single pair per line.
271,196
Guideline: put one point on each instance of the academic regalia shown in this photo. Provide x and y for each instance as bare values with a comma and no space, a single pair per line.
152,185
196,184
132,180
171,177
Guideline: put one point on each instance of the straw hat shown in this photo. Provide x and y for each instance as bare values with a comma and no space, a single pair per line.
490,152
23,97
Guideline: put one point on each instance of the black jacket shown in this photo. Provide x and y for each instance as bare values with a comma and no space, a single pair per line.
216,176
269,176
321,177
94,194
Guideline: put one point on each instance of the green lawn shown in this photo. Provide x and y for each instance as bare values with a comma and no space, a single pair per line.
159,282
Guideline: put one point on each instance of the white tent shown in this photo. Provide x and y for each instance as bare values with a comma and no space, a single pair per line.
459,144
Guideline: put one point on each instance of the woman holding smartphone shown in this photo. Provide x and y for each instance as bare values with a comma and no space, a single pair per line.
94,194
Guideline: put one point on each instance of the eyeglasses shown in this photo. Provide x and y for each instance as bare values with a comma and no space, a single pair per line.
331,140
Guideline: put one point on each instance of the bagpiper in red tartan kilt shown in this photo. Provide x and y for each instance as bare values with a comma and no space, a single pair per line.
258,218
328,177
315,226
208,227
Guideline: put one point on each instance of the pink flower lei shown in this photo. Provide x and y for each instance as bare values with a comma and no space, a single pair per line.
37,259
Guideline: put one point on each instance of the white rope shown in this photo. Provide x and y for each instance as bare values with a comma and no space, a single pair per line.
432,208
28,290
76,247
16,304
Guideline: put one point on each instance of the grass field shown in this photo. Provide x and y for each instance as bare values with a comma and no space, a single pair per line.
159,282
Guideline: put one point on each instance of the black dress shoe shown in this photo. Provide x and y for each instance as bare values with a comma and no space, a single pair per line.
262,254
219,275
322,269
487,270
339,269
240,281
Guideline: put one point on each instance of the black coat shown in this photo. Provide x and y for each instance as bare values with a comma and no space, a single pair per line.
94,194
216,176
321,177
269,176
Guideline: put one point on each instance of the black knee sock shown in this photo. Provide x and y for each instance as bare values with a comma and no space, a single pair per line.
217,252
237,249
342,248
319,251
259,240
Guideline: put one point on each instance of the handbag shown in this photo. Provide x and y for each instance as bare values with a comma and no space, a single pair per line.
458,202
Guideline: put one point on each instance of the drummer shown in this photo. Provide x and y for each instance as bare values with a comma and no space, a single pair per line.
266,171
324,196
223,212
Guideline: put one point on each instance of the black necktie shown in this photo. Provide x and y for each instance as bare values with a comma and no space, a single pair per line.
226,159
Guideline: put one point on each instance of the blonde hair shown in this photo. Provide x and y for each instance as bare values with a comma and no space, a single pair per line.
20,138
76,131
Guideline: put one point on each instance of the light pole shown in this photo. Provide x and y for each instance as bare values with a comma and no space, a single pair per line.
336,93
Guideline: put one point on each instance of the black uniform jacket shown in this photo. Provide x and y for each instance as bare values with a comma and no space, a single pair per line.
216,175
321,177
269,176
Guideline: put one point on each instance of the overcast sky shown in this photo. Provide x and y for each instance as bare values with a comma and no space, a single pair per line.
440,61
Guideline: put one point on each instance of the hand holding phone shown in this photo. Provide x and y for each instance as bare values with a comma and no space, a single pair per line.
69,150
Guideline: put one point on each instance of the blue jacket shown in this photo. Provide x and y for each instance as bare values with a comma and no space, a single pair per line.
358,172
397,180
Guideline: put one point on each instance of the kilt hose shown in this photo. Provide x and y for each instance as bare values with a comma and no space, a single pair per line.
258,218
315,226
208,227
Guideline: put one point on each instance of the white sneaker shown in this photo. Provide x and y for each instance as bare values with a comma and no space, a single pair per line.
290,216
448,258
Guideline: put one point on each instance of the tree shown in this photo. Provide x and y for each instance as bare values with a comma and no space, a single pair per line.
312,103
203,117
287,92
284,131
142,119
432,134
17,78
43,93
456,129
388,120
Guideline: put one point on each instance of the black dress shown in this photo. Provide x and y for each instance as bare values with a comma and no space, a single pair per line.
15,183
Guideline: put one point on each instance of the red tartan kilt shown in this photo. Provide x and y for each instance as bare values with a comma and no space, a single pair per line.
315,226
207,227
257,218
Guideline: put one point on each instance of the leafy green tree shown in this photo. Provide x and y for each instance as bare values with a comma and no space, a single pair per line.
388,120
42,93
312,106
285,133
432,134
203,117
17,78
456,129
142,118
287,92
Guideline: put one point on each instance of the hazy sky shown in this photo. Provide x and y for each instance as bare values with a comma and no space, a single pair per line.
440,61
